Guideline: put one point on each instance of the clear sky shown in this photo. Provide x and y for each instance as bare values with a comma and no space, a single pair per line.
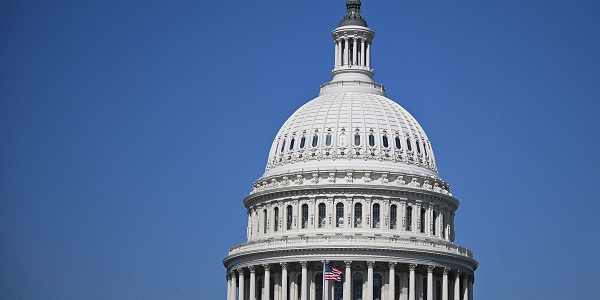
130,132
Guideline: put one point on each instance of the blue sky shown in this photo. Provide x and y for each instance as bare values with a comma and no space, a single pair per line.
132,130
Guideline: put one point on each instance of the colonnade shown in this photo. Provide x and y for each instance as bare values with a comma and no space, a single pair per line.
370,280
353,51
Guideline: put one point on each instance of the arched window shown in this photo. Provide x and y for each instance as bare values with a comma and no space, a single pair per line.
357,139
357,215
443,227
357,286
292,144
371,140
408,145
328,139
339,214
319,286
385,141
418,147
315,140
393,216
302,142
377,285
409,218
290,211
304,215
376,215
276,214
423,211
338,289
398,143
322,215
265,220
282,146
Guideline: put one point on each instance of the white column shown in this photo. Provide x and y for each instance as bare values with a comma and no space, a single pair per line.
392,281
284,281
368,54
411,282
430,282
457,286
346,51
348,280
471,288
362,52
354,51
370,279
445,284
242,288
267,282
252,283
336,55
304,290
233,285
465,285
228,286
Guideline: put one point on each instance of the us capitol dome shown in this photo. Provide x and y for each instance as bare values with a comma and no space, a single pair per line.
351,182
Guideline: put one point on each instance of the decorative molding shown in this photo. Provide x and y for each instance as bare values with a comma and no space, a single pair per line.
412,267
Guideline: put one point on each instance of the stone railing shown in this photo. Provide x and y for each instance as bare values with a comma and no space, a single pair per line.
374,242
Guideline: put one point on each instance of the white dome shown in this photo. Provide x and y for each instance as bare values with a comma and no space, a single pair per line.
350,128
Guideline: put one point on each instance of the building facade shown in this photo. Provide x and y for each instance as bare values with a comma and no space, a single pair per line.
351,181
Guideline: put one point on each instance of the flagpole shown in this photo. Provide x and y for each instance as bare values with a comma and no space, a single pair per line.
324,281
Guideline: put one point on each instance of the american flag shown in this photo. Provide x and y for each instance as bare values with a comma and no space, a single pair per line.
332,273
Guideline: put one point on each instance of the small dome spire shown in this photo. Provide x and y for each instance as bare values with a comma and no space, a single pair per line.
353,16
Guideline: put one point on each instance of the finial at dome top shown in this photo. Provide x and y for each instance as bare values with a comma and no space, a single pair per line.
353,16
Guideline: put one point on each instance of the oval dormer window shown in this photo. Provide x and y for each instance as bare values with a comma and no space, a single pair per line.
418,147
328,139
315,140
408,145
385,141
357,139
292,144
398,143
302,142
371,140
283,145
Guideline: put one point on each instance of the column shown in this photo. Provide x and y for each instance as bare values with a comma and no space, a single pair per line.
445,284
346,51
242,288
348,280
336,52
411,282
267,282
457,286
284,281
430,282
304,290
228,286
368,54
354,51
233,285
252,283
471,288
362,52
465,287
370,280
392,281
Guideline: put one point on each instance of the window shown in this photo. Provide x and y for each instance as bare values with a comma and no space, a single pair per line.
422,219
397,287
339,215
385,141
328,139
289,217
357,139
304,215
322,220
408,145
398,143
425,149
418,147
357,215
393,216
376,215
357,286
424,289
265,220
292,144
338,289
282,146
409,218
276,213
371,140
319,288
377,285
433,231
272,288
315,140
302,142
